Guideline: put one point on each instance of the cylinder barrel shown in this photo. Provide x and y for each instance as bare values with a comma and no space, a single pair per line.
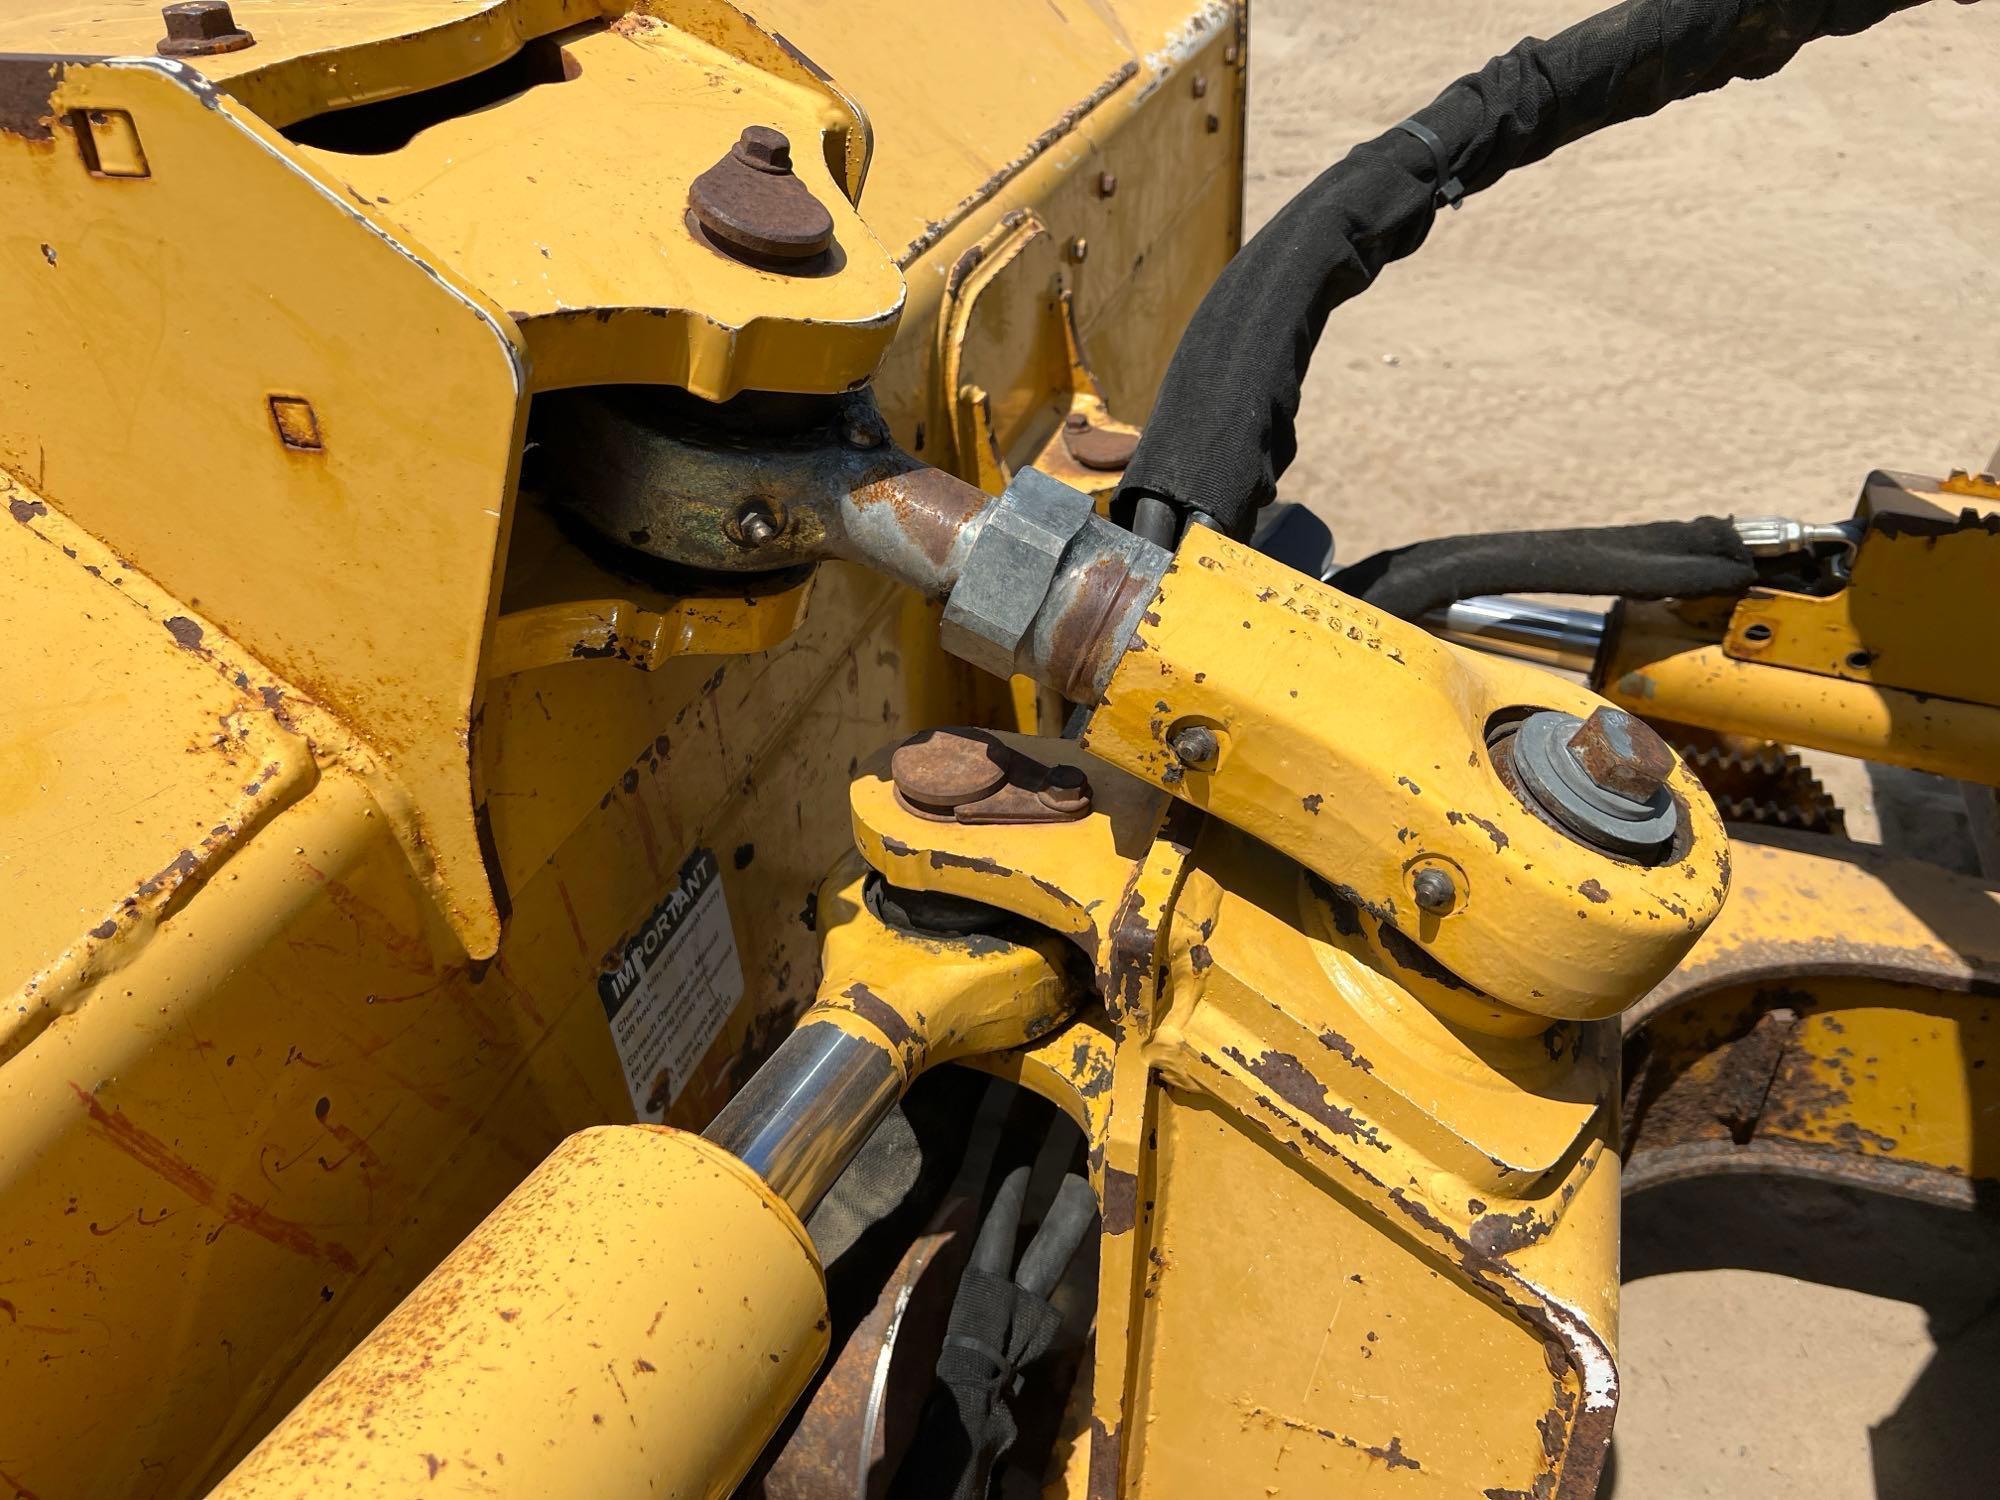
634,1319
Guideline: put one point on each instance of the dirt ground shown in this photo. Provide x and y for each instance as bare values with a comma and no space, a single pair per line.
1740,305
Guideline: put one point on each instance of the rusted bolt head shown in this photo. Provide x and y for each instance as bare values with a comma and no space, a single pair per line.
857,432
1621,754
1201,85
201,28
1434,890
1214,124
1076,421
943,769
750,206
1107,184
765,149
1067,790
1195,745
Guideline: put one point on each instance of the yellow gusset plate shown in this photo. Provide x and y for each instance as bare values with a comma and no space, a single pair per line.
129,767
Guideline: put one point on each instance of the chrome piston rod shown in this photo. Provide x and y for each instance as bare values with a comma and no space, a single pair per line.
1552,635
802,1116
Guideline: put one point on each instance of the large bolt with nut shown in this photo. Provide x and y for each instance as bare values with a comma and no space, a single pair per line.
1602,779
1622,754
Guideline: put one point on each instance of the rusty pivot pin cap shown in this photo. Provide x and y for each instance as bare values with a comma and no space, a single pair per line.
752,207
201,28
942,770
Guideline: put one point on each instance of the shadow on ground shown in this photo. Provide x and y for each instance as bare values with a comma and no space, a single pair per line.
1942,1439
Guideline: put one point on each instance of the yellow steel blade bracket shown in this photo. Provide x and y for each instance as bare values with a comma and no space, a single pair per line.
1359,745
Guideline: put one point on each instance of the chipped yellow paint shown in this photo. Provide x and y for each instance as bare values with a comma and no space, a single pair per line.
927,1001
664,1307
1663,665
1356,743
559,606
1916,602
294,1084
1285,1116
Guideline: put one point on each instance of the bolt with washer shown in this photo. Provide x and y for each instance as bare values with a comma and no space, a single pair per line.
1196,745
201,28
1622,754
1434,890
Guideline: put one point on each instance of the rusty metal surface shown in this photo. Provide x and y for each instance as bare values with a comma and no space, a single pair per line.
1622,754
201,28
1757,781
968,776
1863,1082
1899,919
677,481
753,205
1097,446
854,1425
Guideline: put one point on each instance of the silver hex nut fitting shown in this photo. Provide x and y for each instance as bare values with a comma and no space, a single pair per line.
1008,572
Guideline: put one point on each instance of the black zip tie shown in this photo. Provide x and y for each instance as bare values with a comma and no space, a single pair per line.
1450,191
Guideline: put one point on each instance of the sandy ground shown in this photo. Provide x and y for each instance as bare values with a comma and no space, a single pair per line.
1740,305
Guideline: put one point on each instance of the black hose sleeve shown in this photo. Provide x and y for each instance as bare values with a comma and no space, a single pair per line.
1222,429
1055,1244
1656,560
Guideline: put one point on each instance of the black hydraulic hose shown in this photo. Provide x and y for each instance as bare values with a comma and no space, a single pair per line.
1222,429
1652,560
1063,1227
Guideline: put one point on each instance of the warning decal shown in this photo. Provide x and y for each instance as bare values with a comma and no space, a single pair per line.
676,983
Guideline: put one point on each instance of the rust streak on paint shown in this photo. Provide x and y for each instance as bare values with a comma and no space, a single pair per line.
160,1159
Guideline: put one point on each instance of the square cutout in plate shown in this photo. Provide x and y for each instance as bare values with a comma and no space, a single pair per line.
297,425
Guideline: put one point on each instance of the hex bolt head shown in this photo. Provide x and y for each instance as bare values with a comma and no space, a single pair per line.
201,28
1107,184
1201,85
755,525
765,149
1622,754
1196,745
1434,890
1067,790
1079,249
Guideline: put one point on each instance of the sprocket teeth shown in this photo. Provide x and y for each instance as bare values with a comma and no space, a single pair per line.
1759,782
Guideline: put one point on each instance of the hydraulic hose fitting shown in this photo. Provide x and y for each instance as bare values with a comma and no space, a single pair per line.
1051,589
